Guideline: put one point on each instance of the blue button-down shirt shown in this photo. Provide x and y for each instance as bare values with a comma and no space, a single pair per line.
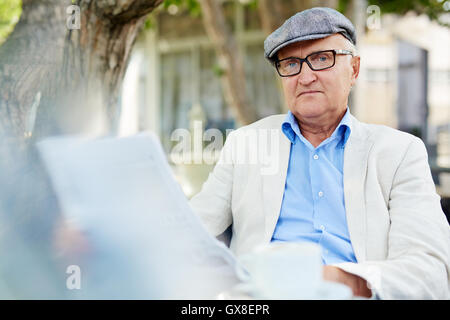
313,207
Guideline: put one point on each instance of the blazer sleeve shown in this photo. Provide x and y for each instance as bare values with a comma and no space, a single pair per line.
213,202
417,266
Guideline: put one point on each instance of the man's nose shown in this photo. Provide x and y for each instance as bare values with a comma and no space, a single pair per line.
306,76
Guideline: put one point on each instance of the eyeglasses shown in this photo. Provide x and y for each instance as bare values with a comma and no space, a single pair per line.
319,60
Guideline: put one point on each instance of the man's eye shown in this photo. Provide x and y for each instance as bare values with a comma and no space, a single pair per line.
290,64
320,57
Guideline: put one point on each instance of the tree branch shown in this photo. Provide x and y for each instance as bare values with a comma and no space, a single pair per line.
230,60
126,10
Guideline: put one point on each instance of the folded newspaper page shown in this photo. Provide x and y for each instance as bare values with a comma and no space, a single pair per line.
146,242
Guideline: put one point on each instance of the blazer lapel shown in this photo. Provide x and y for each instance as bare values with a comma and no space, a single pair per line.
273,185
355,168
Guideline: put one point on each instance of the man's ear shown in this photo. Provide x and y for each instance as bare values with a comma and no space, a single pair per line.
355,64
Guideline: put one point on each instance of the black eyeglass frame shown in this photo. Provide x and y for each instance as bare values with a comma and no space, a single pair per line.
335,52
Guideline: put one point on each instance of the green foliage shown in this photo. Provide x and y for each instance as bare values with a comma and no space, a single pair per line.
150,22
429,7
343,5
253,4
218,71
10,11
194,8
192,5
432,8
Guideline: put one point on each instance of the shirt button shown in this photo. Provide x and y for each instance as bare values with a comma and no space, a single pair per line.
316,157
320,193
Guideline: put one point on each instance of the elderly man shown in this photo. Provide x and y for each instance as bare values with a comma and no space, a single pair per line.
363,192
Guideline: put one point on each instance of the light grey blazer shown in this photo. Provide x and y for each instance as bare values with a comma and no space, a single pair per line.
399,233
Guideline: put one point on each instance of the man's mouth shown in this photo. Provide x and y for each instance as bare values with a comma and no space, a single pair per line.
308,92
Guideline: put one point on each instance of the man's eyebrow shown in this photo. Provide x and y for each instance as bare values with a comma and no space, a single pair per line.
309,52
318,50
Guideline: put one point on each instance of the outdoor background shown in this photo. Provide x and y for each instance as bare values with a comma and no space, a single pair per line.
174,75
203,61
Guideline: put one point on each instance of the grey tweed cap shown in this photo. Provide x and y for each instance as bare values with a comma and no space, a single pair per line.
314,23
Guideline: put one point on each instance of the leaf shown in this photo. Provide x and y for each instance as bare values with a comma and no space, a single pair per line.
218,70
10,11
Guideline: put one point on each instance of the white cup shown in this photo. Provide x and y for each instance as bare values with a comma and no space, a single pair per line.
289,270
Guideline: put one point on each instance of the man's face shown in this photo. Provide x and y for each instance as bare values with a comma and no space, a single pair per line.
319,95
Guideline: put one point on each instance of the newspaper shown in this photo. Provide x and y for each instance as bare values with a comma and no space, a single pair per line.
147,241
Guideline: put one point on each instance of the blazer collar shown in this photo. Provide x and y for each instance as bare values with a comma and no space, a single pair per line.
356,156
273,185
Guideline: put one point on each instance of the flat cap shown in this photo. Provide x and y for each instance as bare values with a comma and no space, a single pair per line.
314,23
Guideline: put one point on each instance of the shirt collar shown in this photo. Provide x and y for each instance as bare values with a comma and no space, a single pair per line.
291,129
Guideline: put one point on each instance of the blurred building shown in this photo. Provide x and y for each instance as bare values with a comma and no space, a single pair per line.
404,81
405,84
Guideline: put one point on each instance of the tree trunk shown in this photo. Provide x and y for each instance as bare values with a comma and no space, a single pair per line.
53,80
233,79
270,15
57,80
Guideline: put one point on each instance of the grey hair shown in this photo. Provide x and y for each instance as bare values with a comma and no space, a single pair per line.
352,48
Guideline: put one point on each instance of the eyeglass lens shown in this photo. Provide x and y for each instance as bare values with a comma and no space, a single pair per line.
317,61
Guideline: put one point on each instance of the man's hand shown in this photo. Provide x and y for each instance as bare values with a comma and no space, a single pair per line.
68,241
356,283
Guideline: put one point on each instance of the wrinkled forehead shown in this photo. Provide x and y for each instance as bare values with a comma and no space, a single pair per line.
303,48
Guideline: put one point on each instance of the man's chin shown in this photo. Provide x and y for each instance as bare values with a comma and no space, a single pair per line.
308,111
